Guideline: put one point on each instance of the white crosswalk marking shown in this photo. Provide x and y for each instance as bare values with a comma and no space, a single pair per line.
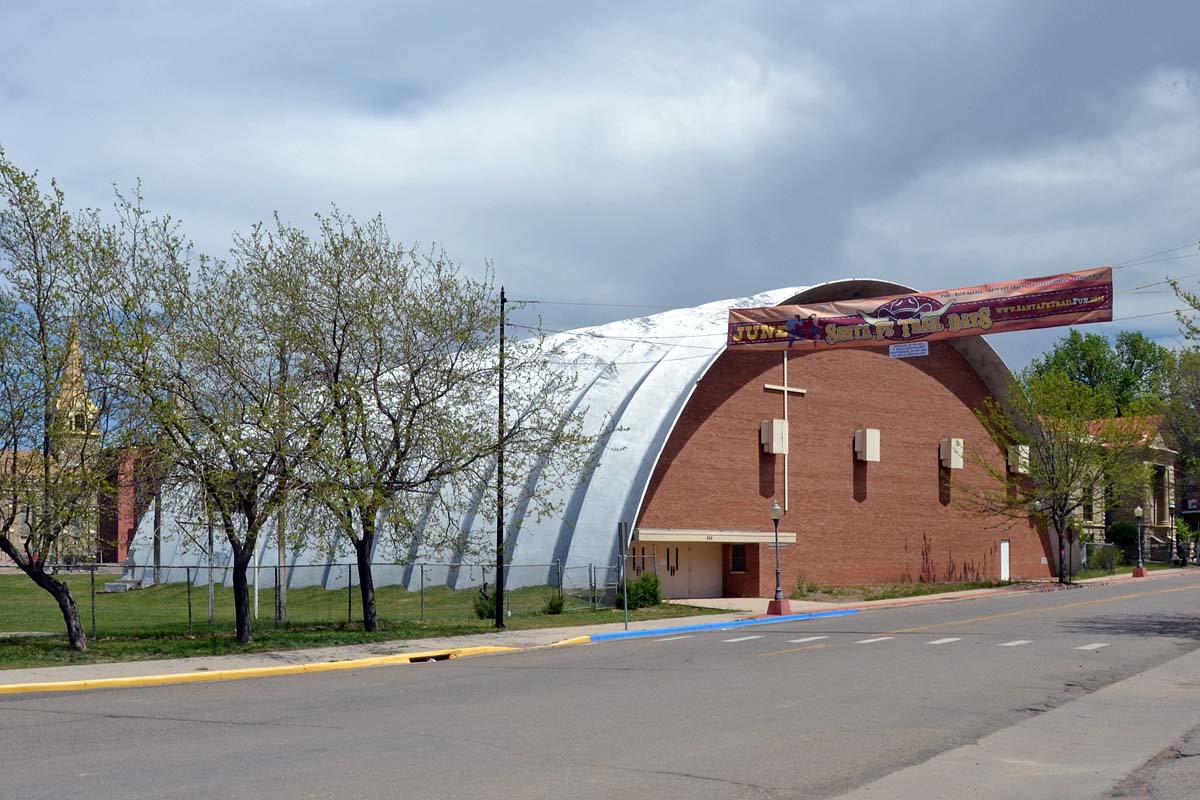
1094,646
674,638
1016,643
806,639
743,639
876,639
947,640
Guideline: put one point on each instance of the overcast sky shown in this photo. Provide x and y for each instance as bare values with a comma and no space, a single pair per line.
664,154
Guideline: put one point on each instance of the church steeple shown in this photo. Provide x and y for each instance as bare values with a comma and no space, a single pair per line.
75,415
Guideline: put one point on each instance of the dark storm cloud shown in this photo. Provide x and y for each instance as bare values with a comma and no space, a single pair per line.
659,154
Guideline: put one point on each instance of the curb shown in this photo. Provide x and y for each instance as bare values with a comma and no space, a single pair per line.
709,626
249,672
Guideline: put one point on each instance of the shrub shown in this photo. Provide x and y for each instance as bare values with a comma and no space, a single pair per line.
645,591
485,604
554,603
1123,534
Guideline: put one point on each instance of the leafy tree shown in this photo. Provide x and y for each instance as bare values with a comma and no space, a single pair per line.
1074,445
55,405
211,357
402,373
1132,375
1182,413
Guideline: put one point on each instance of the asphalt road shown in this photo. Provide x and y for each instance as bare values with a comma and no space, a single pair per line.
768,711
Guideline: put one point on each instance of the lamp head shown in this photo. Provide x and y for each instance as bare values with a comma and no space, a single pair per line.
776,510
1137,512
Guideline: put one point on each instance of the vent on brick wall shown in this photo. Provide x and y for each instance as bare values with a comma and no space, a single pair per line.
866,444
951,453
773,435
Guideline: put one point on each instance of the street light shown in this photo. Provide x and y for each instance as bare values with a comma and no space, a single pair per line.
778,606
1175,534
1140,571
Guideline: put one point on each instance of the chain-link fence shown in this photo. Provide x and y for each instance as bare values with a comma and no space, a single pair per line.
1097,558
196,599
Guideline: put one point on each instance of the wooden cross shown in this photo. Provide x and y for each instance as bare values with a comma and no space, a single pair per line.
785,390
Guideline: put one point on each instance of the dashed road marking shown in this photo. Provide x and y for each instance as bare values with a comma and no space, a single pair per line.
876,639
674,638
1093,646
806,639
742,639
1016,643
947,640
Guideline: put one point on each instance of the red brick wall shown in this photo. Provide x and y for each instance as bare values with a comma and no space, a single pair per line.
856,522
123,501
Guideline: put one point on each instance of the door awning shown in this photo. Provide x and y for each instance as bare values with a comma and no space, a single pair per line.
701,535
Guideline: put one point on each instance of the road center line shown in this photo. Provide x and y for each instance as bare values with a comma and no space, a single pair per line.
674,638
872,641
947,640
1026,611
742,639
1016,643
806,639
1093,646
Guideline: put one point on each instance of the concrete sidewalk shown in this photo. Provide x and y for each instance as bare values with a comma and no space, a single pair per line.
740,610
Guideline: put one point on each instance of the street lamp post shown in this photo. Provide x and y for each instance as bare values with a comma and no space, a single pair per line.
778,606
1180,551
1140,570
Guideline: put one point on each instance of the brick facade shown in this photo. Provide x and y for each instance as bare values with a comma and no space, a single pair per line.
856,522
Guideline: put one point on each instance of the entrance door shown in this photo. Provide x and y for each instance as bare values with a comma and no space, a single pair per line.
690,569
1004,560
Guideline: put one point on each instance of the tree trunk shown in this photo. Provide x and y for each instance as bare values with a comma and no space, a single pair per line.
366,582
1062,556
241,595
57,589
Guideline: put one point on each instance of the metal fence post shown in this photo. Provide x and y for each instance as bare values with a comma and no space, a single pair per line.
349,595
189,598
623,541
93,601
558,569
592,584
278,598
422,592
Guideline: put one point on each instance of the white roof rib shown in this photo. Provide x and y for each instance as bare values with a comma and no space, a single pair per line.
642,372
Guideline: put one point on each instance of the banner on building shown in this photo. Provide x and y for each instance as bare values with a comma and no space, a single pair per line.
1071,298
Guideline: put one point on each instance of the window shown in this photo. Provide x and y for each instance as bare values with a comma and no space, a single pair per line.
80,423
737,558
1089,508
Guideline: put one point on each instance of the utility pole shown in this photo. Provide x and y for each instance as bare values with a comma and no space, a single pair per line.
500,480
281,515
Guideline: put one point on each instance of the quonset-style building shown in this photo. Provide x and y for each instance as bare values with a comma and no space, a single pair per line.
866,465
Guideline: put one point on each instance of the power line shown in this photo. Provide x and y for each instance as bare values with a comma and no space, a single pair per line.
1143,259
1154,314
626,363
596,305
641,340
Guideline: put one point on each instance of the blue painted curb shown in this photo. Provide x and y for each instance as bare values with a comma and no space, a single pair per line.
711,626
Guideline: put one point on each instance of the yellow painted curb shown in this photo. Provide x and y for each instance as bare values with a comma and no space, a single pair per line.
585,639
249,672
